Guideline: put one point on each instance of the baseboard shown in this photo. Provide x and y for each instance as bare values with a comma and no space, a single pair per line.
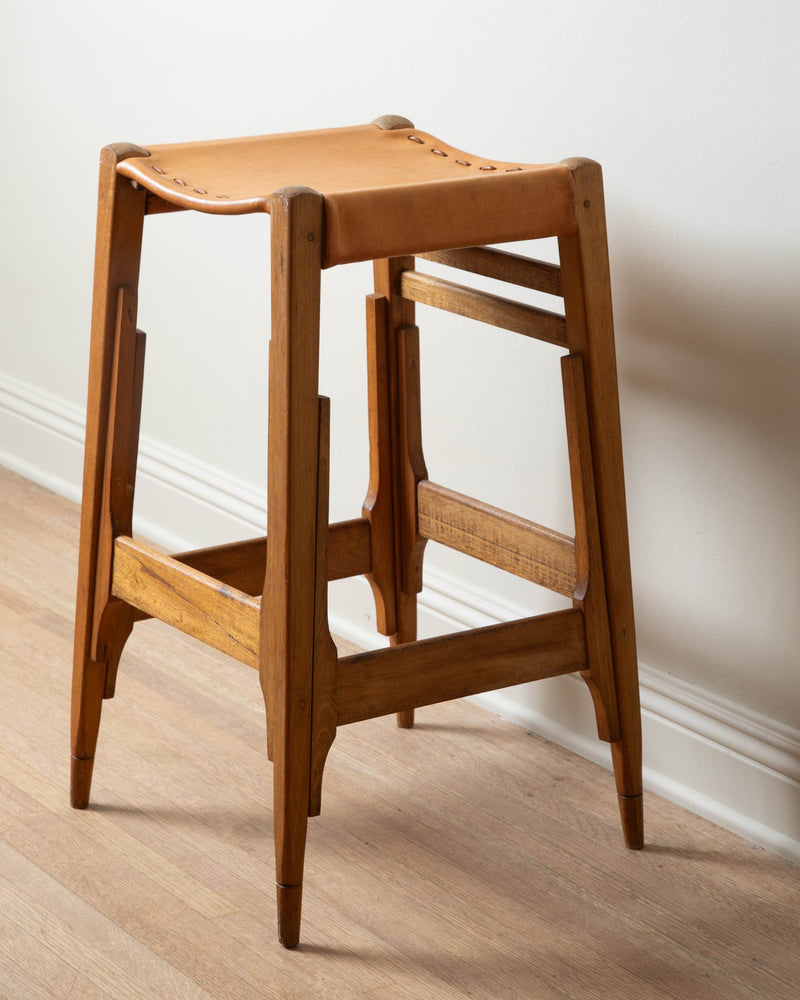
180,502
718,759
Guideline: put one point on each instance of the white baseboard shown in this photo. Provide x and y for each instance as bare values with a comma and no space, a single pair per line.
718,759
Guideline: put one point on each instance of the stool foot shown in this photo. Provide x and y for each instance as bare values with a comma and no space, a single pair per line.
290,898
406,632
88,686
631,810
80,784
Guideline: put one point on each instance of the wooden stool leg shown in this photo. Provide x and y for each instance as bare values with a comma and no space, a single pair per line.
114,385
587,298
406,632
403,439
288,606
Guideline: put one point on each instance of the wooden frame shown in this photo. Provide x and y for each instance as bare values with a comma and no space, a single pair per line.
511,543
264,601
100,636
485,307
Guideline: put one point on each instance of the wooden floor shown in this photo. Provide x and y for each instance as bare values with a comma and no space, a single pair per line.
465,858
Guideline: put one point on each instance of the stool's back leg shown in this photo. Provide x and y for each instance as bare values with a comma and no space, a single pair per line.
120,220
407,465
378,505
288,605
587,298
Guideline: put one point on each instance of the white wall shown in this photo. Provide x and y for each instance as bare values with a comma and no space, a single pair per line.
691,107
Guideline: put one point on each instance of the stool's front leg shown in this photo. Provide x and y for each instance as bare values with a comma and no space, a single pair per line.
288,606
111,436
587,297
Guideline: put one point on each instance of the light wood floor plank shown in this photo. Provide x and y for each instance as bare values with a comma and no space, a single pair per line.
464,858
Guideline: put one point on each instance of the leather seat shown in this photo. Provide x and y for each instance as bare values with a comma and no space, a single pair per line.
388,190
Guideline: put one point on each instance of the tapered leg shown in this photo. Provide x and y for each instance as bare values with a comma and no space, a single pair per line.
587,297
590,591
114,384
406,632
394,343
287,629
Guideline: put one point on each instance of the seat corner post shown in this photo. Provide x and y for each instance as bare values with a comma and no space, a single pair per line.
586,284
120,222
407,464
286,654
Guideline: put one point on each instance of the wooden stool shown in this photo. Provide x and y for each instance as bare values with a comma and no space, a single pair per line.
381,192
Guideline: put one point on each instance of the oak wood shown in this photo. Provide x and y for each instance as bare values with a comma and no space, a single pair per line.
238,564
408,462
242,565
406,632
502,265
485,307
587,302
113,620
379,503
120,219
287,645
591,592
410,458
187,599
453,666
323,709
495,536
406,466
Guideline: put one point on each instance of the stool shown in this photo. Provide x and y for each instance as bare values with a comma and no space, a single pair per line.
388,193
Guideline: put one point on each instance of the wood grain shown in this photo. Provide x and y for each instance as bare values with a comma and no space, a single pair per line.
453,666
406,465
525,272
288,629
590,322
485,307
379,502
591,592
187,599
323,705
120,222
242,565
495,536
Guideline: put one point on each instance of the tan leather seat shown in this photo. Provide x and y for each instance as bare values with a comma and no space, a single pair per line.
388,191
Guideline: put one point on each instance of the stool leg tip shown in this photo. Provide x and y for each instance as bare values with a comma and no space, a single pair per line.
80,784
405,719
631,810
290,898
